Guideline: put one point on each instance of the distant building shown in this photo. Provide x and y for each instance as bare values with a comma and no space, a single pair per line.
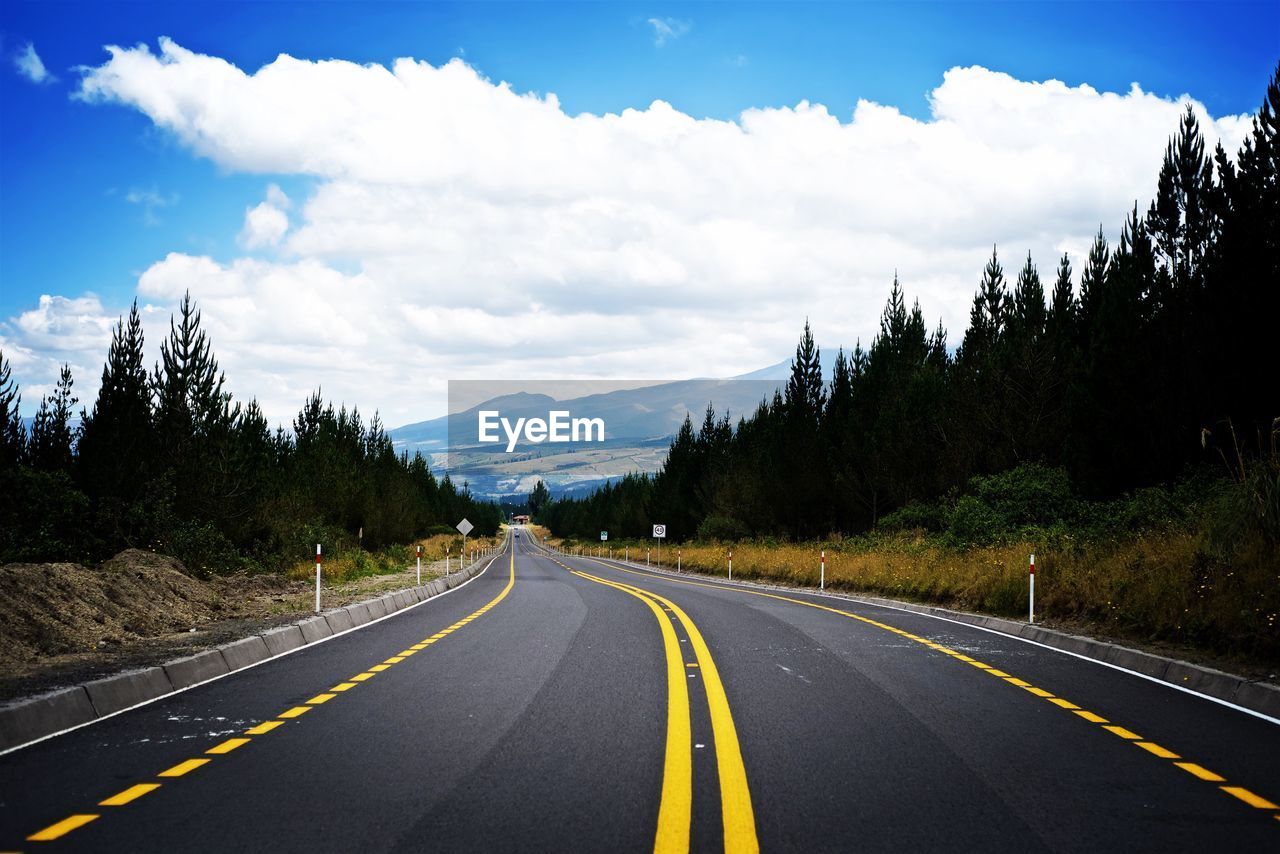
520,520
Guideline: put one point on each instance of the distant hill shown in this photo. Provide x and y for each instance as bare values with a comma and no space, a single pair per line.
640,423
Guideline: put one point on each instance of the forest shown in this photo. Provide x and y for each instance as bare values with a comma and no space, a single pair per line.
165,460
1142,387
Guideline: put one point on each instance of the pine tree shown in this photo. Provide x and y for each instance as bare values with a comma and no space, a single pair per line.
13,435
116,443
52,436
805,395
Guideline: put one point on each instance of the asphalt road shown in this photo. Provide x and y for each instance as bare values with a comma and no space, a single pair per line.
569,704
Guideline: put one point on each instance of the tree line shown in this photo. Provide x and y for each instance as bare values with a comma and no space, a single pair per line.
164,459
1161,348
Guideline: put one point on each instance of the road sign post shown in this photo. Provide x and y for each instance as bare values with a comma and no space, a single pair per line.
1031,605
822,572
464,527
317,578
659,534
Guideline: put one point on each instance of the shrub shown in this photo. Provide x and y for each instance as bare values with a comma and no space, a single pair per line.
723,528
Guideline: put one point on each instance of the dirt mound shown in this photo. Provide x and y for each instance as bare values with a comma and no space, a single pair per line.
58,608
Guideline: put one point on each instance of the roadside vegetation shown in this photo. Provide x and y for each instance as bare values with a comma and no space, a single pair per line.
165,461
1118,422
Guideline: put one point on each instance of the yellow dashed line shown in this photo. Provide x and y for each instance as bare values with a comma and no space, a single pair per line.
1200,771
264,728
296,711
1039,692
1019,682
405,653
1091,717
1157,750
999,673
378,668
395,659
1066,704
344,686
227,746
362,677
129,795
65,826
320,699
183,768
1249,797
1123,733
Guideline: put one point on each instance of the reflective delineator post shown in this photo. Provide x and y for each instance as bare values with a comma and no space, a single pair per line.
1031,605
731,564
646,557
822,572
447,551
419,566
679,558
317,578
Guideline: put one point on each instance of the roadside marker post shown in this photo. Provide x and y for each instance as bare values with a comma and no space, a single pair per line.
822,572
646,557
317,578
679,558
447,551
419,566
1031,605
731,564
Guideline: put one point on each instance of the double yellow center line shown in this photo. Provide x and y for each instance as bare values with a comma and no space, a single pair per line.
129,795
675,811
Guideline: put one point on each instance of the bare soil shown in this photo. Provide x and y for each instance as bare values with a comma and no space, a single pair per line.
63,623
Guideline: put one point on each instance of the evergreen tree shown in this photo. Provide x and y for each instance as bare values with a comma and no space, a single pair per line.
52,436
13,435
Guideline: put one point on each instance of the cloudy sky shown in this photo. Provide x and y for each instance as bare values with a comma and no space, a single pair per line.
375,200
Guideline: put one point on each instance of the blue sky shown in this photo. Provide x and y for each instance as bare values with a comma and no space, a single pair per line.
92,195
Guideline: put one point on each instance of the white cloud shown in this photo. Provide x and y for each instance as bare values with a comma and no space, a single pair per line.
151,200
667,29
266,223
460,229
30,66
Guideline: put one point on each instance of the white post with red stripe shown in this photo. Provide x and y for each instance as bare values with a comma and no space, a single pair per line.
317,578
419,566
1031,608
679,558
822,572
448,550
731,564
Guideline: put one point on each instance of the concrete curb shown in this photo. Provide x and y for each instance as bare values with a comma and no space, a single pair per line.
1260,697
34,718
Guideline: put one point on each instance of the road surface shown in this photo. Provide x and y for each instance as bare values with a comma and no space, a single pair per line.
570,704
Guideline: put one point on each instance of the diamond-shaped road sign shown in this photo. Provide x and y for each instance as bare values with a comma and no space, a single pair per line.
464,527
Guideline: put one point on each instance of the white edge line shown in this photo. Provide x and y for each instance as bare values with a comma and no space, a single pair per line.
729,585
311,645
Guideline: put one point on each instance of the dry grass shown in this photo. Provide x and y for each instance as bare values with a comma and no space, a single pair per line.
1161,586
356,563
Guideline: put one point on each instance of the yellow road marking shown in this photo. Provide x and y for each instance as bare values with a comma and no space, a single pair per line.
1039,692
343,686
129,795
737,815
63,827
1152,748
395,659
183,768
361,677
1200,771
320,699
378,668
264,728
227,746
295,712
1015,681
1157,750
405,653
1123,733
1249,797
675,807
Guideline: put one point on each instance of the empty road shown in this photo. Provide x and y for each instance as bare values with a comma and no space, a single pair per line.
561,703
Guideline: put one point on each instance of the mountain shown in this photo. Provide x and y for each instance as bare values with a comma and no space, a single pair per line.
639,425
